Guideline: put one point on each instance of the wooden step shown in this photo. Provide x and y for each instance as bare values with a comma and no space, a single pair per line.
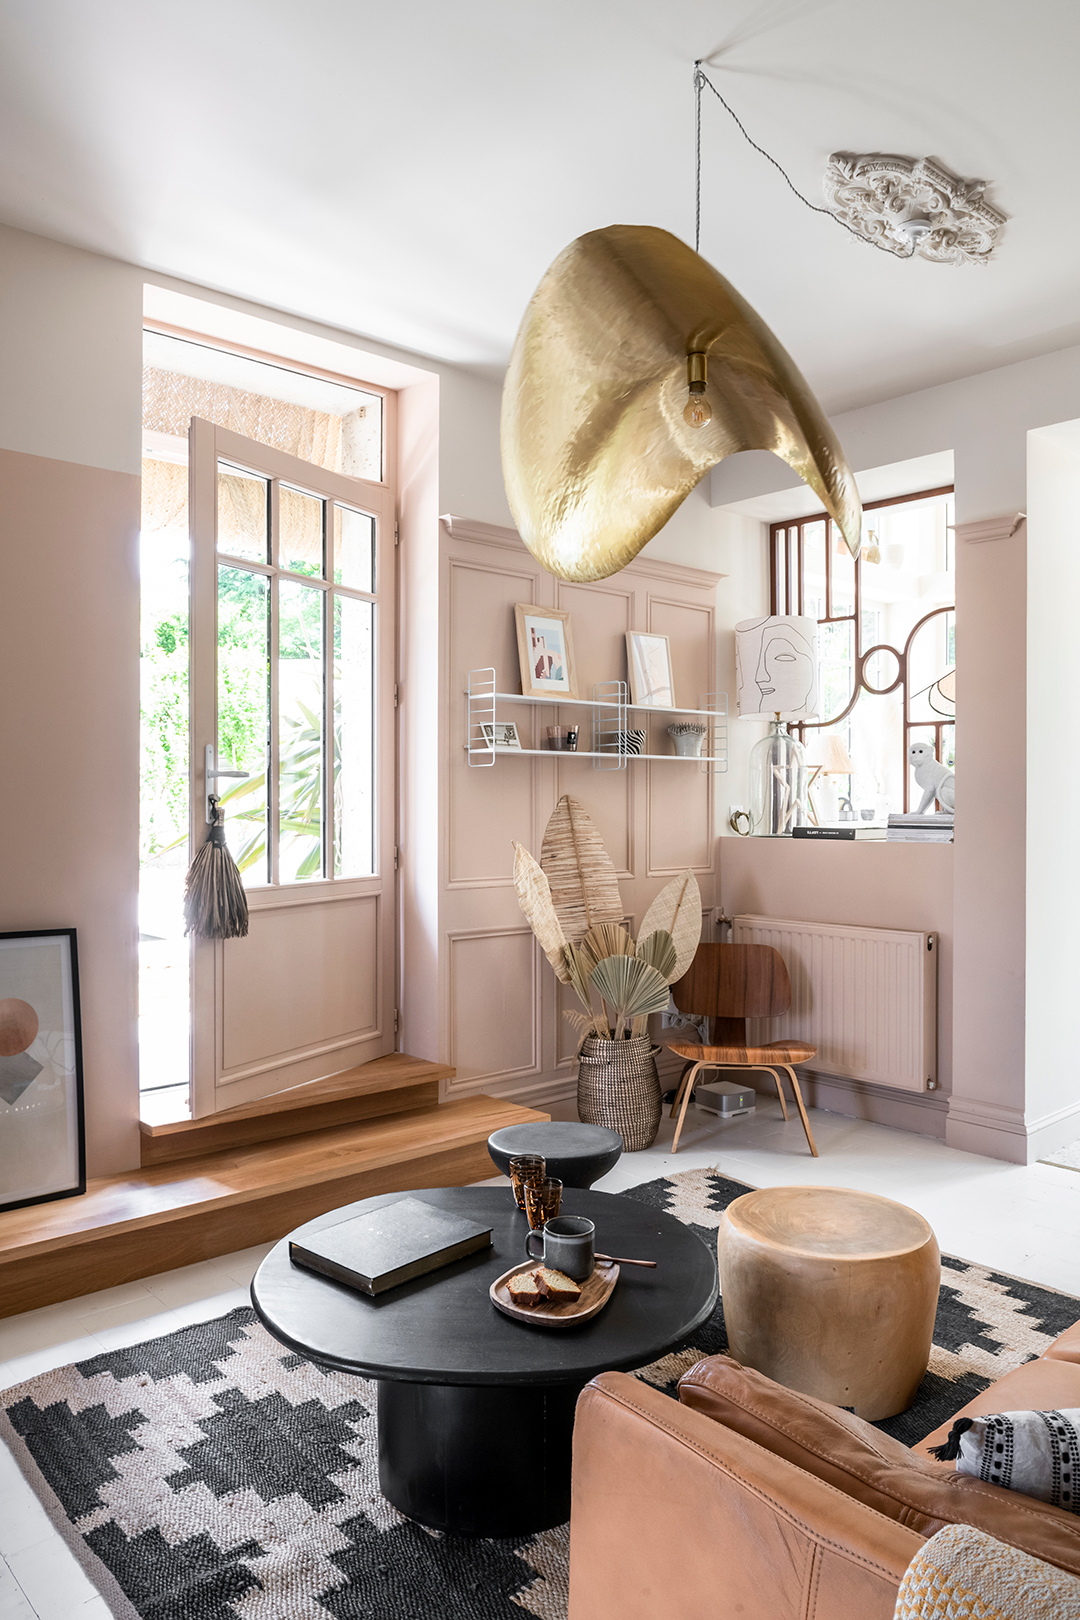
387,1085
174,1214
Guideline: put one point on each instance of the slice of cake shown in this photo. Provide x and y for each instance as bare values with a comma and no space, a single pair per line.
556,1286
524,1289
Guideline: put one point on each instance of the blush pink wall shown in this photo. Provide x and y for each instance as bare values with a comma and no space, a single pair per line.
863,885
69,747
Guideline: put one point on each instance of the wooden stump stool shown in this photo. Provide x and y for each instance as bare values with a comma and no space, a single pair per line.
831,1292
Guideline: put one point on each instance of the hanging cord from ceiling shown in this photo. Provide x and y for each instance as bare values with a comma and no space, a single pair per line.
701,79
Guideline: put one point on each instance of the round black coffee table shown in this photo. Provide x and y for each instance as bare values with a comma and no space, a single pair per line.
577,1154
476,1411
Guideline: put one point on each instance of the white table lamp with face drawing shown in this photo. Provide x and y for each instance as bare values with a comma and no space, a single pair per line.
776,675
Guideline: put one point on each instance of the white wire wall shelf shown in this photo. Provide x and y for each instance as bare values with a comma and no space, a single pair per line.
610,725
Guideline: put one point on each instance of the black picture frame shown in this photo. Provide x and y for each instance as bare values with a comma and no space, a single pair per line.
45,1136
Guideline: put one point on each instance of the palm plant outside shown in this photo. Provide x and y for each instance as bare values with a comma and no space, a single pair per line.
242,722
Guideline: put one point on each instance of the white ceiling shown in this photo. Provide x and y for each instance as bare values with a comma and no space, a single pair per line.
409,171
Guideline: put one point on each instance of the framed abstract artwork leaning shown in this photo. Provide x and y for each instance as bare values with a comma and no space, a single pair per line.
648,661
42,1139
545,652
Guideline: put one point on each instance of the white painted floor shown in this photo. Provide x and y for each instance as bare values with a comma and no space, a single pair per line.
1020,1219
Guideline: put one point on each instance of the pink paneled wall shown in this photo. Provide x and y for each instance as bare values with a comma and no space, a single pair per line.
501,1006
69,743
864,885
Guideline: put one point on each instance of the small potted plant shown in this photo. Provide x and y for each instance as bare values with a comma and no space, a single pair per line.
571,900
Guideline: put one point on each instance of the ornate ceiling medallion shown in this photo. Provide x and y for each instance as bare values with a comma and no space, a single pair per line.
913,205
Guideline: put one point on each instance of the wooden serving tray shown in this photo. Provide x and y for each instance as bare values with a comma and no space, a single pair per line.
595,1294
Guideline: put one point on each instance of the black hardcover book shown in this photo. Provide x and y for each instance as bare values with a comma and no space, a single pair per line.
855,830
391,1245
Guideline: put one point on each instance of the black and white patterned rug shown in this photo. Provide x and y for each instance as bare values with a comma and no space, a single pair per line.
213,1475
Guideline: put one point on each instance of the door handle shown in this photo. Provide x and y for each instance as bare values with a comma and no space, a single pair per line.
212,775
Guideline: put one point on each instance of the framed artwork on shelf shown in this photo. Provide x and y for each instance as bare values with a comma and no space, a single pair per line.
502,736
42,1139
648,660
545,652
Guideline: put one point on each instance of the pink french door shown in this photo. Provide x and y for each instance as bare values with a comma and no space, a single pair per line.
292,705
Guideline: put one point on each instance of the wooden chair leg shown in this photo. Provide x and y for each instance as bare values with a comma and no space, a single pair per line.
801,1106
680,1088
688,1091
779,1092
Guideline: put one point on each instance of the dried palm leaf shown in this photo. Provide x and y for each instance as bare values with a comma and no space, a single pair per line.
534,898
578,967
606,939
585,1026
677,909
630,987
584,890
658,949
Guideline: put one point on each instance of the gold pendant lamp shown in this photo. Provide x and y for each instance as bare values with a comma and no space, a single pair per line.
636,369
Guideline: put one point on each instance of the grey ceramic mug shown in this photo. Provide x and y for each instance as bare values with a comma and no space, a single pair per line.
567,1246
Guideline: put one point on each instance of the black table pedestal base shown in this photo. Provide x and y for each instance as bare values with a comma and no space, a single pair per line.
487,1460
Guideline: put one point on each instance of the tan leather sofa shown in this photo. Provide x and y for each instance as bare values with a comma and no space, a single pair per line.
745,1501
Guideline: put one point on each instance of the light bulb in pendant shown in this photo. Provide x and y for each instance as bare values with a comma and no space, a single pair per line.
698,411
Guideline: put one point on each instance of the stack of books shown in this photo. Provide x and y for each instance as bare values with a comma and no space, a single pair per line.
915,829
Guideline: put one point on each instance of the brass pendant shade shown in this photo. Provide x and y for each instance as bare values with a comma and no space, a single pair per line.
596,451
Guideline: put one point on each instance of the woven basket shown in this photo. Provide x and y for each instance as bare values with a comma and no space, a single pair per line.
618,1086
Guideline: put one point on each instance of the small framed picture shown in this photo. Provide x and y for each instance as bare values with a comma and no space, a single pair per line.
42,1141
545,652
648,659
502,736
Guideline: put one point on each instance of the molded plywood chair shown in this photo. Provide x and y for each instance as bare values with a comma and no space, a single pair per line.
729,984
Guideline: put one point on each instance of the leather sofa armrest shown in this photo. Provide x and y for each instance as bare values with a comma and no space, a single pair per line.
674,1514
1066,1347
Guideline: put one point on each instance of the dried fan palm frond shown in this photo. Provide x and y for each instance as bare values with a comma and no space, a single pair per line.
534,898
606,939
677,909
584,890
658,949
630,987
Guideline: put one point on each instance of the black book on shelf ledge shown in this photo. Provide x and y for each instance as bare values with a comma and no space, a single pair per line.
843,832
388,1246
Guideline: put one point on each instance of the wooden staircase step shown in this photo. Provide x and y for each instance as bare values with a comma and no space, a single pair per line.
175,1214
386,1085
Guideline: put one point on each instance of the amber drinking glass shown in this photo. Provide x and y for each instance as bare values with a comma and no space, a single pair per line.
542,1200
526,1168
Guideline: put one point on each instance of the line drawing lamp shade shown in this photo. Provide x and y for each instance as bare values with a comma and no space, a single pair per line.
776,670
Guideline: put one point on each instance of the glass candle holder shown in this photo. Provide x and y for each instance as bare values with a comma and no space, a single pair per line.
542,1201
526,1168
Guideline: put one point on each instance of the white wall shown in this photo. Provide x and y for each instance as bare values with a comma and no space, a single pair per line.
1053,782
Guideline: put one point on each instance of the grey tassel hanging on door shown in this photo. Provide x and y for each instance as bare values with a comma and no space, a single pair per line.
215,905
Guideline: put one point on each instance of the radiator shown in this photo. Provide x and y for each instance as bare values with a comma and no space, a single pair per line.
865,997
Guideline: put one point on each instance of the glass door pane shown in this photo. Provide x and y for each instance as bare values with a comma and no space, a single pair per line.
301,697
243,513
301,522
243,715
354,737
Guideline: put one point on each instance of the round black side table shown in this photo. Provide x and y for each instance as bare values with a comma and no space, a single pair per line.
476,1411
577,1154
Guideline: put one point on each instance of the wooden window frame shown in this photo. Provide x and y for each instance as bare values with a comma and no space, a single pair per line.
786,596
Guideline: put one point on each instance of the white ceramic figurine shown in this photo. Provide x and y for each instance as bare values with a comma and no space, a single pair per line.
936,780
